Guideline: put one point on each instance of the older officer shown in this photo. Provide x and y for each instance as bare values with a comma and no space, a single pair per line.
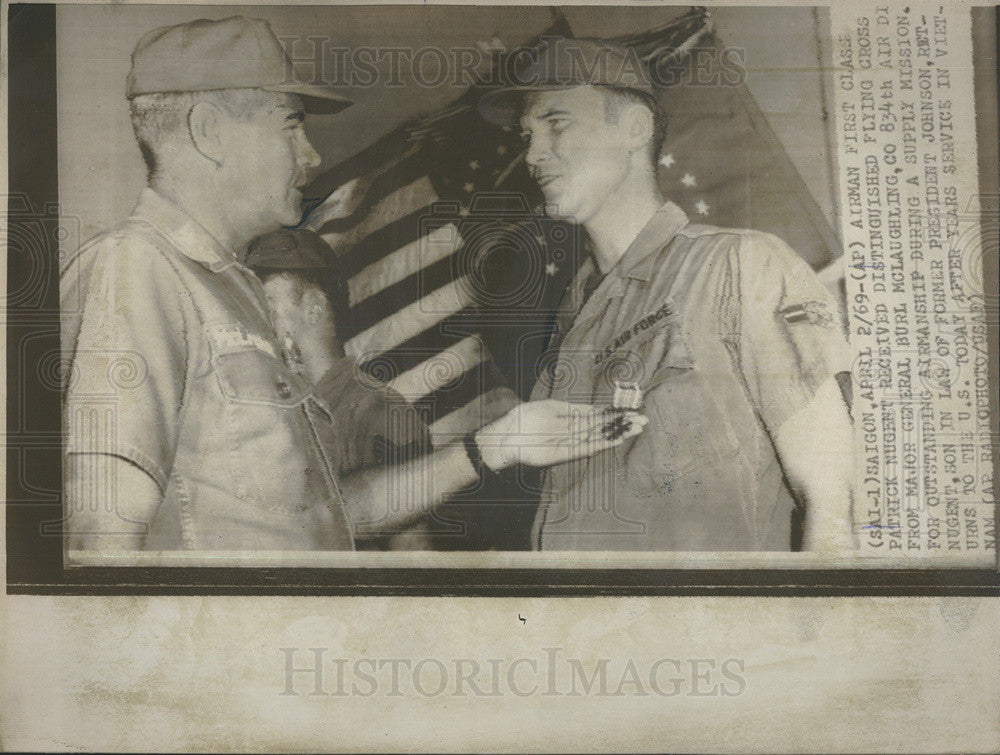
729,338
190,424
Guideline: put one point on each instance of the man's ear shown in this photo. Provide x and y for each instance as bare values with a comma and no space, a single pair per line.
639,123
205,123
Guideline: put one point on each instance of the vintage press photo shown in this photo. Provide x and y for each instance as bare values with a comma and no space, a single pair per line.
523,287
278,337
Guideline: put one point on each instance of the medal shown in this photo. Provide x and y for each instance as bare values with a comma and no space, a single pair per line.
292,355
627,397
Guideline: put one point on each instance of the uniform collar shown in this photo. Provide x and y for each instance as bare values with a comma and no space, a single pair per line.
641,255
638,262
182,231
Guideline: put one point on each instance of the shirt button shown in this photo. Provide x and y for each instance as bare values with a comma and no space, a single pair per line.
284,389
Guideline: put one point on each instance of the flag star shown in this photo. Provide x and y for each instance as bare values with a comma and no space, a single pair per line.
701,207
667,160
540,239
474,165
506,129
501,150
468,186
689,180
551,269
463,211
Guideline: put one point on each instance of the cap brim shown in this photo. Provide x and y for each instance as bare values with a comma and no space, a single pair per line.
503,106
318,100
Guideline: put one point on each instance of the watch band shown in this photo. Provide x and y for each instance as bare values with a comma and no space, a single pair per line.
475,455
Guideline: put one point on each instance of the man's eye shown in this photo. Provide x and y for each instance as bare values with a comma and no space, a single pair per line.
294,122
557,124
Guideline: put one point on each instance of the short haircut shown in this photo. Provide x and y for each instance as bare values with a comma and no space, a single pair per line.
616,99
160,116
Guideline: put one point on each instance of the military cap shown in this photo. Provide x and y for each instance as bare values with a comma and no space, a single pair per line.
565,63
232,53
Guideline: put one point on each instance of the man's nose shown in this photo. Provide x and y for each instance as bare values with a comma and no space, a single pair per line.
538,151
308,157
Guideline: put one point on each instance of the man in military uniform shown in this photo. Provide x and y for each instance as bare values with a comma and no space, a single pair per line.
190,422
730,339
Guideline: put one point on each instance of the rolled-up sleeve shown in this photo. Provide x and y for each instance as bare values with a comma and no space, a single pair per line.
126,354
791,337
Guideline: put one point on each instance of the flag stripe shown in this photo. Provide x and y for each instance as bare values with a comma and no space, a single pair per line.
439,368
413,288
409,321
436,338
401,263
399,198
381,243
383,158
459,392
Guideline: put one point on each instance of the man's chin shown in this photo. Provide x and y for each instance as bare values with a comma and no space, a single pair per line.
555,208
556,212
292,215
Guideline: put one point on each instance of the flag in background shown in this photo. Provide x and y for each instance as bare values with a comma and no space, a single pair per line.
721,162
412,231
454,271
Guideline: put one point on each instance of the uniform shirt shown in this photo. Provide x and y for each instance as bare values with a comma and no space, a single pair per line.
174,366
728,333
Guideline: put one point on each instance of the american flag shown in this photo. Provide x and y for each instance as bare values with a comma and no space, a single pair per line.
401,230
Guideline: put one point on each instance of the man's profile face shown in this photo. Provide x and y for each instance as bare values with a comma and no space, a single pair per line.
268,157
577,157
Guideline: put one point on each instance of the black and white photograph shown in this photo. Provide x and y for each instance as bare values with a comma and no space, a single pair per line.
552,280
494,327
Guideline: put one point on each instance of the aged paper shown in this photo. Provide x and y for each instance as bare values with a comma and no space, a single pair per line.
868,136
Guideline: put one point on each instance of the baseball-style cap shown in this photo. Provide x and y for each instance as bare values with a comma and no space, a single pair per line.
287,249
564,63
233,53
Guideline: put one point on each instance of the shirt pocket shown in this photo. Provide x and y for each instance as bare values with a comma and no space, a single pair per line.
255,377
273,457
645,360
687,429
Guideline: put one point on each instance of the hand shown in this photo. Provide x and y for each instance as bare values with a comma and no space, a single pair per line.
542,433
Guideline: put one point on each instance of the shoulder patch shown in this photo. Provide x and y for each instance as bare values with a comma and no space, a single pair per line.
812,312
